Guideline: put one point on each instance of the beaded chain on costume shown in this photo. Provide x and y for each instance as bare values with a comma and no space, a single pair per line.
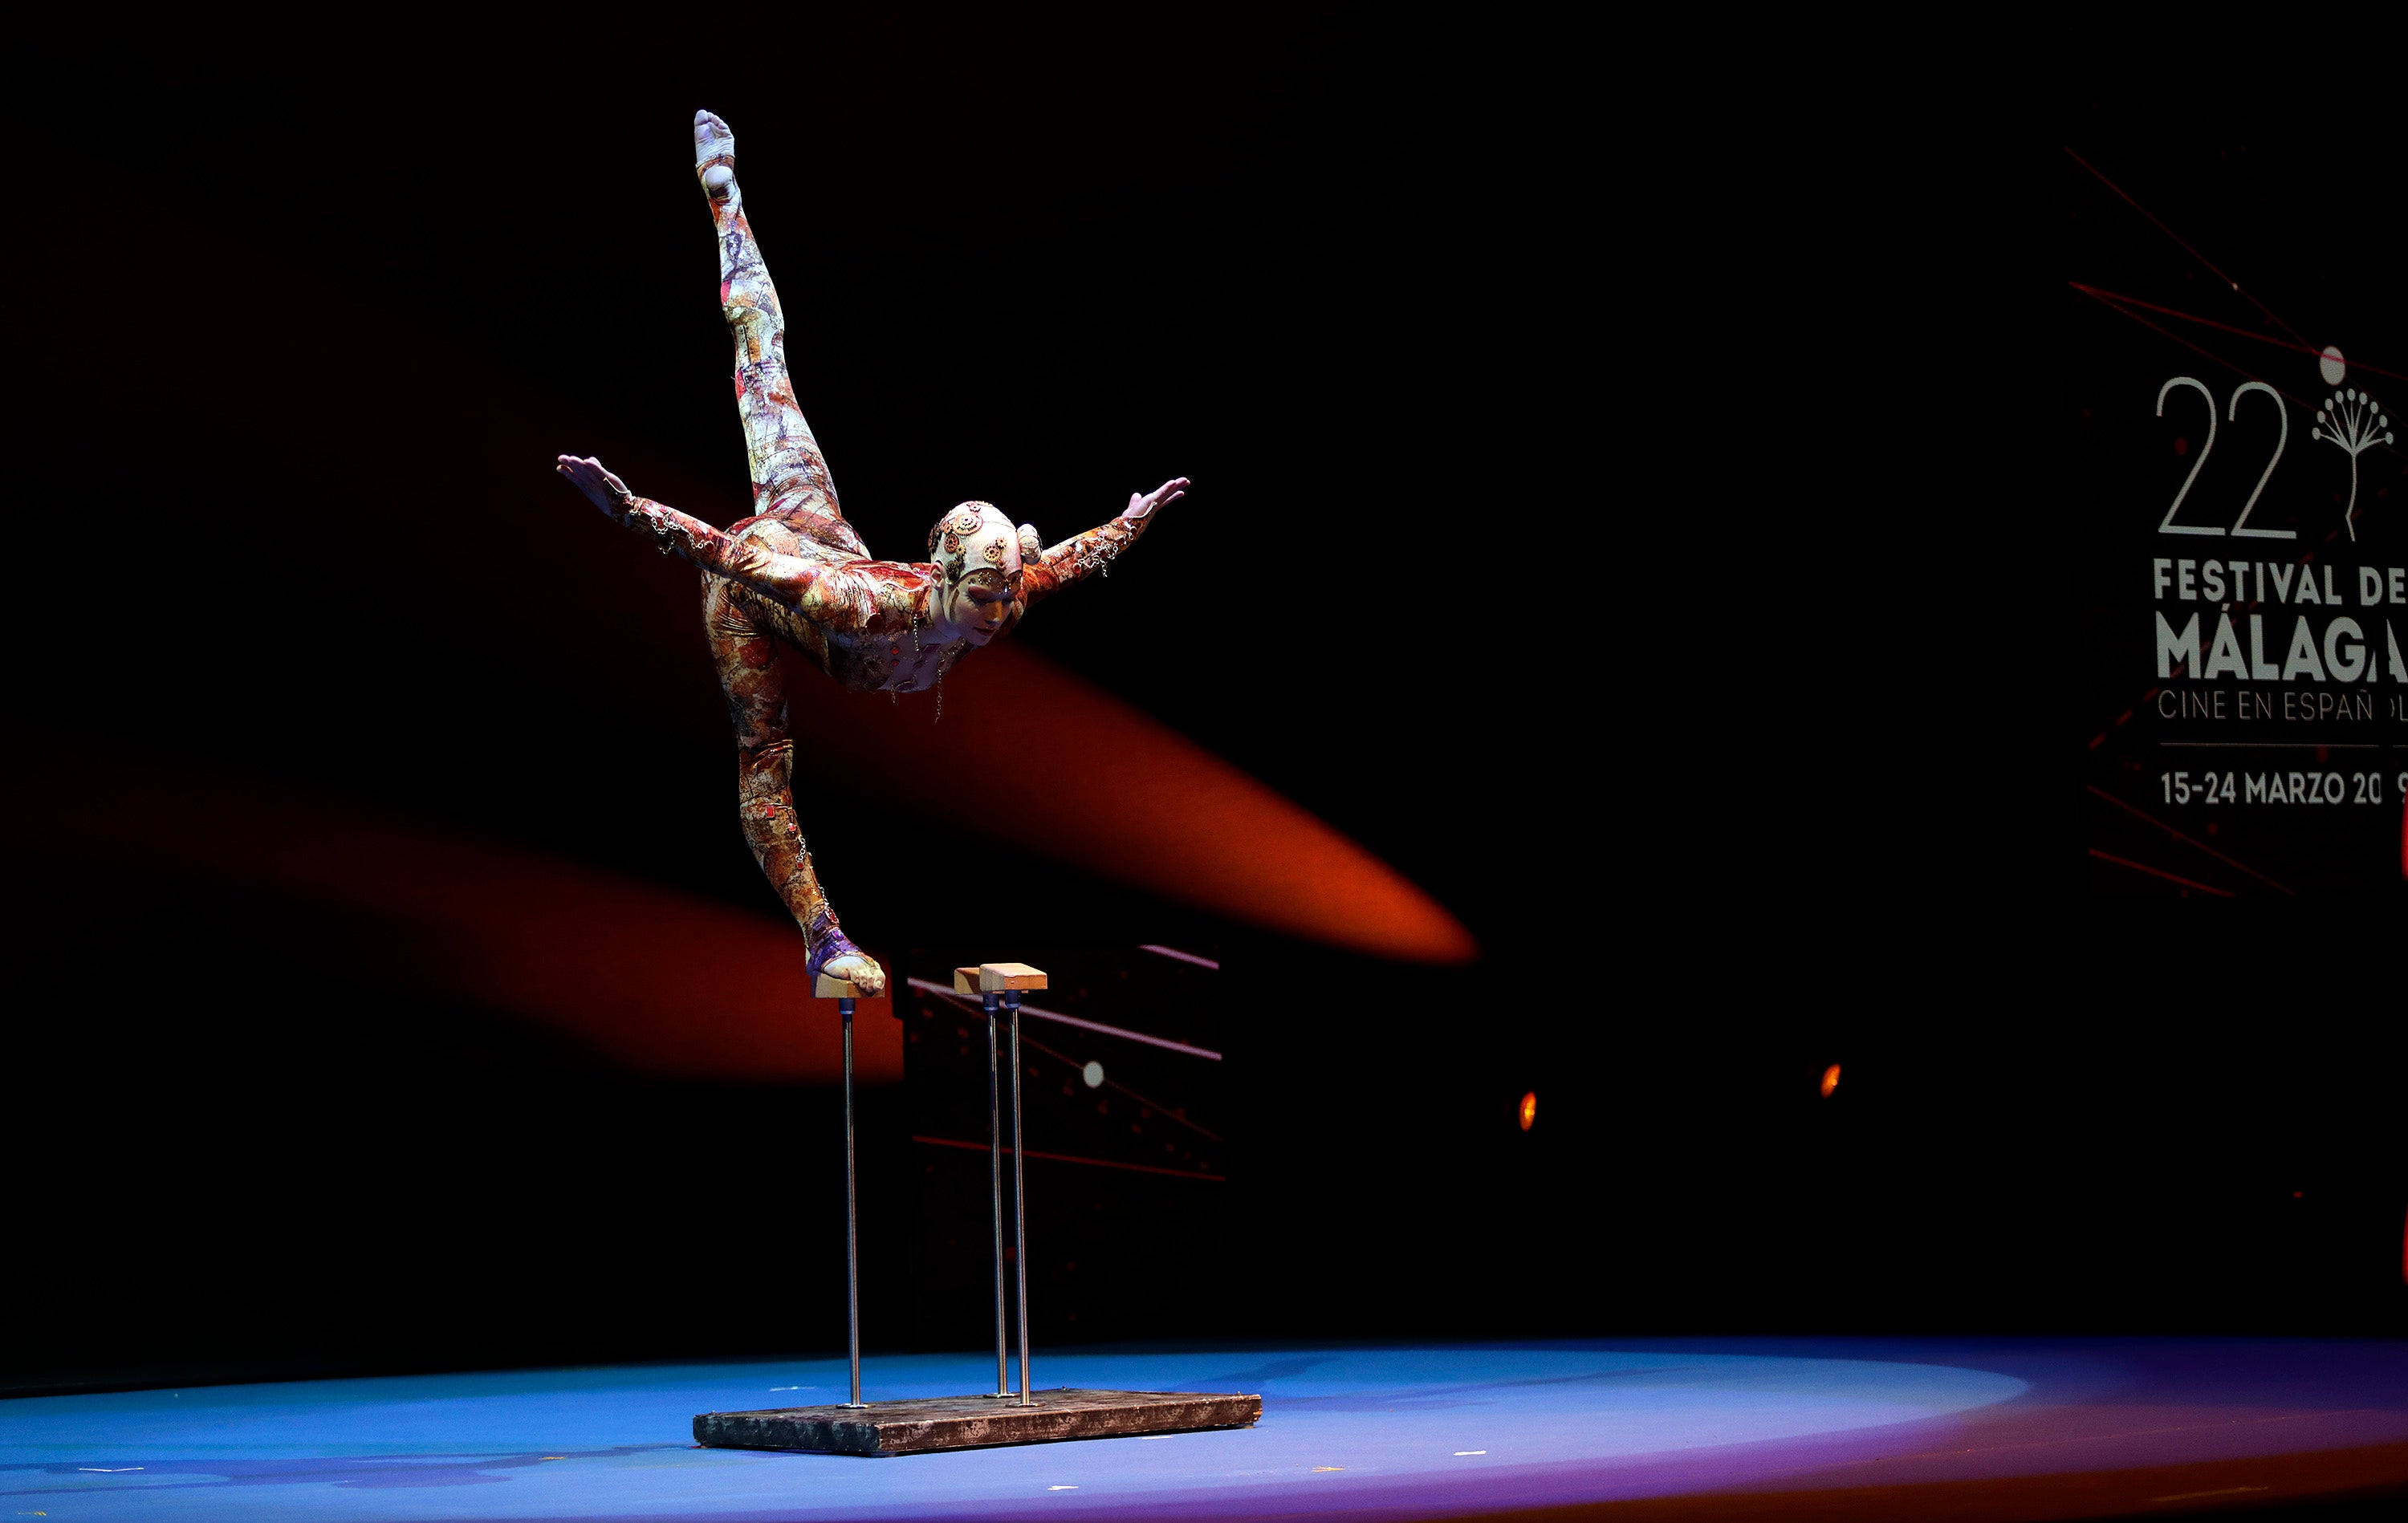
795,574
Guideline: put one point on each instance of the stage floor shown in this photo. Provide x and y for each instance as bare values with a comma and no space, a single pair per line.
1721,1429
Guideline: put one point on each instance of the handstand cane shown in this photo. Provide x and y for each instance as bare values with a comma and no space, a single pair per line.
956,1422
1000,984
843,992
995,1182
852,1249
1019,1196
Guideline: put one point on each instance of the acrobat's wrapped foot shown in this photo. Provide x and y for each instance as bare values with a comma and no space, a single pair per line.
856,973
834,956
714,154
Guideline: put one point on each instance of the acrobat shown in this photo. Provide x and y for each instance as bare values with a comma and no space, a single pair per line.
796,573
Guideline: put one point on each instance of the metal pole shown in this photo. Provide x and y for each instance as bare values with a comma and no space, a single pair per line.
851,1254
1019,1197
995,1182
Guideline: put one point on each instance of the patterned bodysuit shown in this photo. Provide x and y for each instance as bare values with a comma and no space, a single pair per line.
796,573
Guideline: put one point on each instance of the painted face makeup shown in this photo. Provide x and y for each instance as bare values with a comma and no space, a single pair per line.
977,551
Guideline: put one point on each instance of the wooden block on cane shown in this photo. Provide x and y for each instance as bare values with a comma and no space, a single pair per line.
924,1424
997,976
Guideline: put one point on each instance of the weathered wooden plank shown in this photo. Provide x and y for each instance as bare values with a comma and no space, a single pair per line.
969,1422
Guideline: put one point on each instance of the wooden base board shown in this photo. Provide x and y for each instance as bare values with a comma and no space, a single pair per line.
970,1422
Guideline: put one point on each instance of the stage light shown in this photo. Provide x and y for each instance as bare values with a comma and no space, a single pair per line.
1830,1080
1052,763
659,980
1094,1075
1530,1109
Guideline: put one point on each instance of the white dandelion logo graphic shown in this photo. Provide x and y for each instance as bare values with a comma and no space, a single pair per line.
2351,420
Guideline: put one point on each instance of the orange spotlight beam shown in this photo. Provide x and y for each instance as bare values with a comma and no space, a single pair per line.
1037,755
655,979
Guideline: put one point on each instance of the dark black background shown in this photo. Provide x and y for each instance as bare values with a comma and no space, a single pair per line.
1593,516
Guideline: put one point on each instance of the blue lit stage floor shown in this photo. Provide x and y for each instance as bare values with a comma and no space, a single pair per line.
1722,1429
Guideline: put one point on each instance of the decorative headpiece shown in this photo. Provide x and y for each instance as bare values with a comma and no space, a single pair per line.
975,536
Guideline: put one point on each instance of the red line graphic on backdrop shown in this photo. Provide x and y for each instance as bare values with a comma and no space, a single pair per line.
2188,840
2152,871
2185,243
1094,1162
2111,297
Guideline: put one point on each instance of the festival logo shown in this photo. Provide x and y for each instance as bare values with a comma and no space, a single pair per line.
2246,601
2353,422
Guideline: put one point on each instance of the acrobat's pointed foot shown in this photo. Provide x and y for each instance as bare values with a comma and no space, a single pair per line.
714,154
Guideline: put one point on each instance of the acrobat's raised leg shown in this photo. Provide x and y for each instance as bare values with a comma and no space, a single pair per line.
790,478
764,797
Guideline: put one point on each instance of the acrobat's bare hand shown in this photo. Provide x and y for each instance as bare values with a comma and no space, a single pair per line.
587,475
1142,504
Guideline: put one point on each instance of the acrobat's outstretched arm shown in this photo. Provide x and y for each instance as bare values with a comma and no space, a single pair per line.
823,594
1095,551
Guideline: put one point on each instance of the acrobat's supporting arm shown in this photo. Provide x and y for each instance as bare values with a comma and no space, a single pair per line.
755,686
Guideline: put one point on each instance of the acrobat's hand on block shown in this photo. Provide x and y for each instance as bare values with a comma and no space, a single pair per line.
829,987
997,978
